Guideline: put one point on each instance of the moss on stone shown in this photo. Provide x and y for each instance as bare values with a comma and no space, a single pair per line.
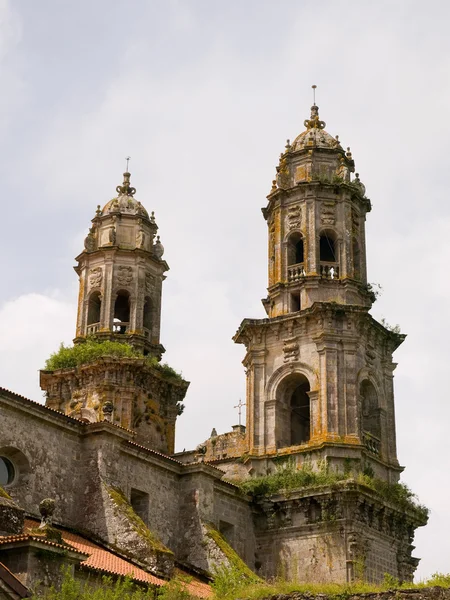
236,562
124,508
4,494
70,357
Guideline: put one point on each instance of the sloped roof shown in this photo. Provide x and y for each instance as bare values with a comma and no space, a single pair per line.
105,561
12,583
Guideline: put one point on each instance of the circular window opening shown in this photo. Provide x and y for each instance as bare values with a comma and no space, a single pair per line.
7,471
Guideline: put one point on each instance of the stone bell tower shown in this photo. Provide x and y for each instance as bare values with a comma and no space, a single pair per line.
121,271
320,373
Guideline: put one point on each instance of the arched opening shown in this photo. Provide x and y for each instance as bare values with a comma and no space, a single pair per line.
300,414
122,312
327,248
294,411
356,259
327,255
295,257
295,251
94,310
371,417
147,317
7,471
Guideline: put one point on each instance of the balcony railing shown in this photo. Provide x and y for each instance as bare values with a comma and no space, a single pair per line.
296,272
120,327
93,328
329,270
372,443
146,333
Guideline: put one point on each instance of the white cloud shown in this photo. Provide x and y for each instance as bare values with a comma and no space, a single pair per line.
32,327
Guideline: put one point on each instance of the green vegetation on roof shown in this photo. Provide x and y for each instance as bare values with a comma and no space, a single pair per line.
280,588
289,478
4,494
69,357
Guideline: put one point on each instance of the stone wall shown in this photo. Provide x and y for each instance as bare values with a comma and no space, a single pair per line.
76,463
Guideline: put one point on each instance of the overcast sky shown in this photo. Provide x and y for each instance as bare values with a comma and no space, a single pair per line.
202,94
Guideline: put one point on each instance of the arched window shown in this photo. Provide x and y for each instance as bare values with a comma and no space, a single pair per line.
370,409
295,253
147,317
293,421
94,310
327,248
7,471
121,312
300,414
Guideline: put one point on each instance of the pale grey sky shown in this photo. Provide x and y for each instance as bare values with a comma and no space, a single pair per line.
203,94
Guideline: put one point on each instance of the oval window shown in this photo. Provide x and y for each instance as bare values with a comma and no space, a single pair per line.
6,471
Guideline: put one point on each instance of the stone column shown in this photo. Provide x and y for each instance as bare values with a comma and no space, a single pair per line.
311,264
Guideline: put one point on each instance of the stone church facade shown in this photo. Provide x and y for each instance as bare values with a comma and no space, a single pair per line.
320,394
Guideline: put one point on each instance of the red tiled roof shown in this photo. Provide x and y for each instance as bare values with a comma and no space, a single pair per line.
12,539
103,560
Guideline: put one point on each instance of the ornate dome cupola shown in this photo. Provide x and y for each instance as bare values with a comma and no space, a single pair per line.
316,216
121,271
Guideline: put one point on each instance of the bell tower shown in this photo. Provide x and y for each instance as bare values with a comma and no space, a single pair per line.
319,374
121,271
319,369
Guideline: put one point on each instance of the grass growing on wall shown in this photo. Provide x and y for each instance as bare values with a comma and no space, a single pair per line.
4,494
249,590
108,588
289,478
69,357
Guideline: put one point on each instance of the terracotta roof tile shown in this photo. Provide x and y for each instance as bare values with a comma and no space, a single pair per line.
102,560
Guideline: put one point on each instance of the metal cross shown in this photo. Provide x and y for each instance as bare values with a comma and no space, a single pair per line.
314,94
127,158
239,406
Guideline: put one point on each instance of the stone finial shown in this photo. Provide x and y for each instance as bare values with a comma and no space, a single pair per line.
98,212
46,508
359,184
314,122
158,248
125,189
213,433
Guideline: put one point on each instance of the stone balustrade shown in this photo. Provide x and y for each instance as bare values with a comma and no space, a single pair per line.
296,272
93,328
120,327
329,270
372,443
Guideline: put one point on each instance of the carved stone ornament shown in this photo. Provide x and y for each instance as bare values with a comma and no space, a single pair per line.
90,243
290,349
294,216
149,282
95,277
328,213
124,275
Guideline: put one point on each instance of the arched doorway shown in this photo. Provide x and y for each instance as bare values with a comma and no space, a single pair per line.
94,311
370,417
300,408
121,312
293,426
